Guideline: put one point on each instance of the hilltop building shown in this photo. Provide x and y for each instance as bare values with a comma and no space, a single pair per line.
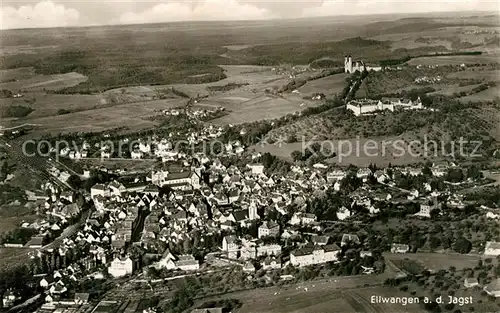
351,66
369,106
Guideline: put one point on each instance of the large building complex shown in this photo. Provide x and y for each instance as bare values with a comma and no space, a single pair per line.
369,106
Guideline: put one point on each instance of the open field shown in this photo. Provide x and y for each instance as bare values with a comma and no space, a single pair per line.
329,85
451,37
44,82
260,108
12,75
485,95
455,60
130,105
132,116
335,295
437,261
487,75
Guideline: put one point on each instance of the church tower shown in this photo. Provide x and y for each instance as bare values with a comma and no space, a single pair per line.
252,211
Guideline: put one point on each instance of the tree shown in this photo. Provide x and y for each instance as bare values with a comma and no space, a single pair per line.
462,245
74,181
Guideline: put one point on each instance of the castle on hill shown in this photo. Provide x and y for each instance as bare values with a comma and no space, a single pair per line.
351,66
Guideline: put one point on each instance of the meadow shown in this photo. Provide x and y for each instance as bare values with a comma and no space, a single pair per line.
335,295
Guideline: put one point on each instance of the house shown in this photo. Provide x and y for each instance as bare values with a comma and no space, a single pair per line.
471,282
36,242
8,299
271,249
269,229
492,248
399,248
167,261
187,262
320,240
425,210
58,288
493,288
81,298
271,262
363,173
302,218
349,238
46,281
311,255
249,267
99,189
230,245
257,169
120,267
343,213
335,175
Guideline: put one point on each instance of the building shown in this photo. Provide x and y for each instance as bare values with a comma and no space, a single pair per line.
269,229
183,180
99,189
493,288
120,267
167,261
271,249
311,255
302,218
369,106
257,169
271,263
335,175
230,245
492,248
351,67
8,299
349,238
187,262
471,282
399,248
35,242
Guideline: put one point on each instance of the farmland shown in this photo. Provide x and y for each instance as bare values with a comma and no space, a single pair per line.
41,82
455,60
437,261
329,85
336,295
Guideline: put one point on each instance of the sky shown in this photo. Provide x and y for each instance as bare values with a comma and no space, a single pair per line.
61,13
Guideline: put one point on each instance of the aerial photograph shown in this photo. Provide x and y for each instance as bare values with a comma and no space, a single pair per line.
249,156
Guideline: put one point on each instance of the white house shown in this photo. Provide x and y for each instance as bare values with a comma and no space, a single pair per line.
120,267
343,213
99,189
187,262
314,255
492,248
167,261
399,248
493,289
257,169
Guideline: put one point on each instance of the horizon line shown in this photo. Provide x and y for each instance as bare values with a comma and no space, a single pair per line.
423,14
